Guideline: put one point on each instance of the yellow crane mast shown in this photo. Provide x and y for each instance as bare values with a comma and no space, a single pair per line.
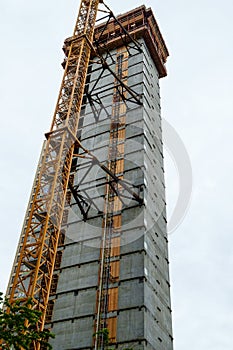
34,267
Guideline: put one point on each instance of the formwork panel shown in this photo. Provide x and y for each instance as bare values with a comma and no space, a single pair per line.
131,294
125,331
79,253
156,335
158,308
132,265
76,277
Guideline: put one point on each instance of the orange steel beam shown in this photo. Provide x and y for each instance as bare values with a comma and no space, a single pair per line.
35,264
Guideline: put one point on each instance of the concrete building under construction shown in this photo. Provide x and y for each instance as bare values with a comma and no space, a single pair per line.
103,272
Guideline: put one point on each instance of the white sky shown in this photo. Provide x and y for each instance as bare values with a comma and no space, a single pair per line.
196,100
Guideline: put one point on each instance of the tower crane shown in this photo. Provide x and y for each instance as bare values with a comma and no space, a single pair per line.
34,267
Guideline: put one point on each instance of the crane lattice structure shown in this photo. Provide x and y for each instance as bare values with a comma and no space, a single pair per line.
34,272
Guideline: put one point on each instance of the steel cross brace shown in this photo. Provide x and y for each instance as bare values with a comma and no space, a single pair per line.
79,199
105,65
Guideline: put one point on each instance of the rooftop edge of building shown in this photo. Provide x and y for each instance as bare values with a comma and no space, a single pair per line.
140,23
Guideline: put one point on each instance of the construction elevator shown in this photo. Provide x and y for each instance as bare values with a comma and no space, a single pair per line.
93,251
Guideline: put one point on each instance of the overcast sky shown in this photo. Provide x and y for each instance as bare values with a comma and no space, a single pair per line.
196,100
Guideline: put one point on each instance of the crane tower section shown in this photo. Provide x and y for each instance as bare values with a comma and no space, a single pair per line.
33,271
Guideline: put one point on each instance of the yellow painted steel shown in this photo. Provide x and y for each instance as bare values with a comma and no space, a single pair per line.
33,271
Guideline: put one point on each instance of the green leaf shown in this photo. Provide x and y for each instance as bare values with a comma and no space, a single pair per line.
18,325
